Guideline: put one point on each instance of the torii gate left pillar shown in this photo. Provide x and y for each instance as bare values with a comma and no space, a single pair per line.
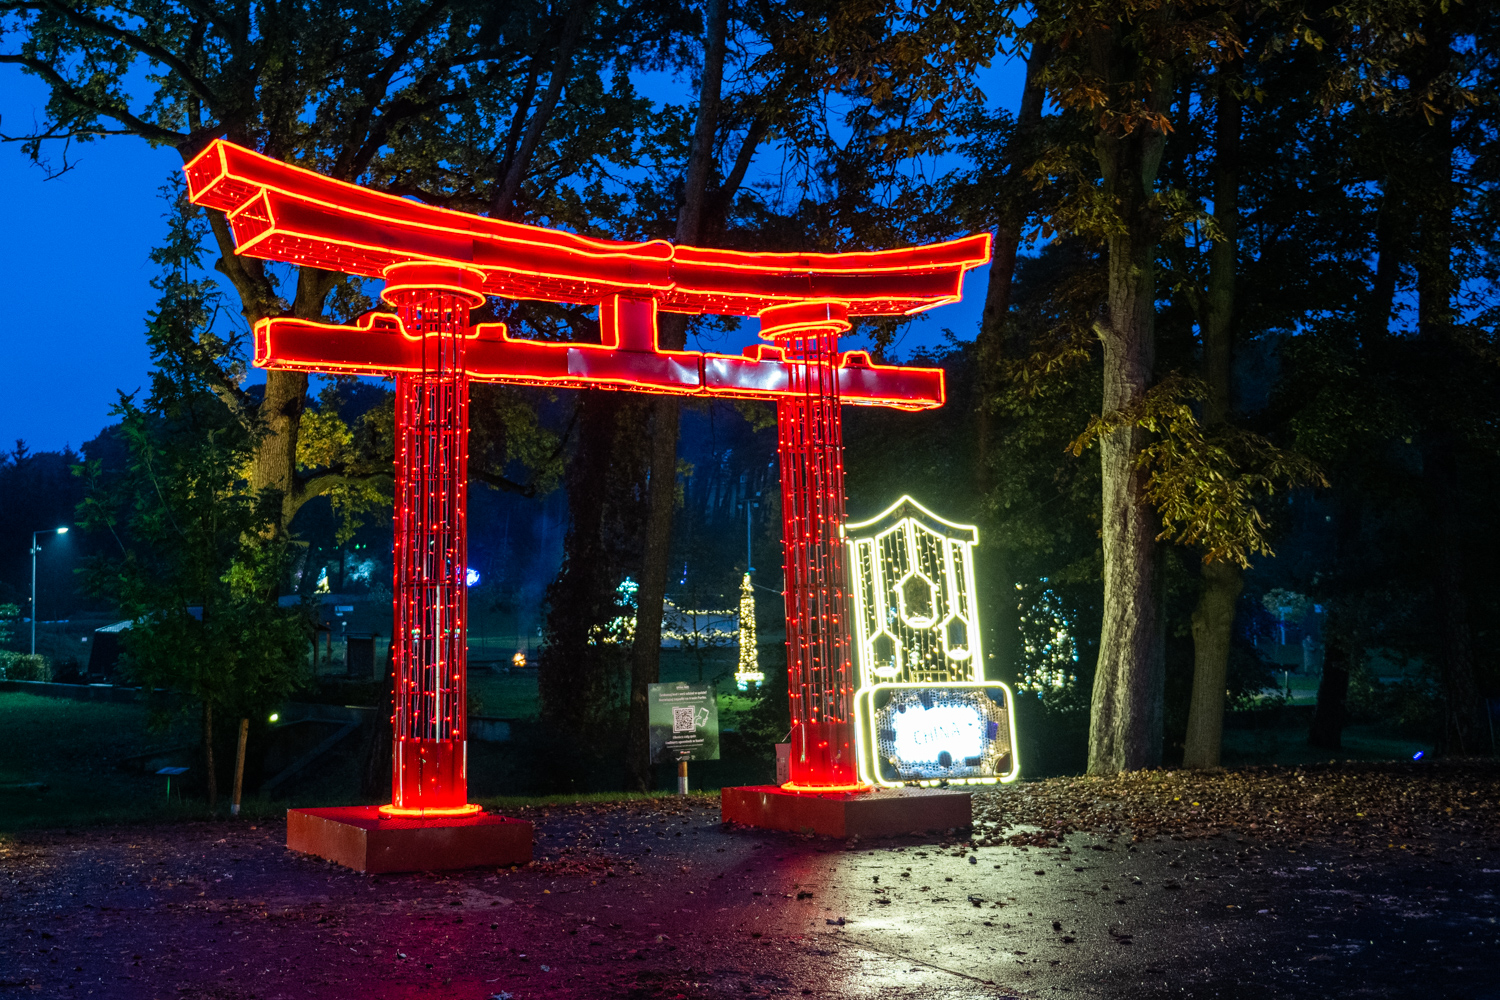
429,822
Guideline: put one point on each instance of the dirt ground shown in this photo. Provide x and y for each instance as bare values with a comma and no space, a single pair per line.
657,898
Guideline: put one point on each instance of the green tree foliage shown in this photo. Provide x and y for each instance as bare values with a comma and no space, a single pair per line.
1391,386
1205,486
1244,250
520,111
24,667
197,549
38,491
766,78
355,457
1114,73
1336,130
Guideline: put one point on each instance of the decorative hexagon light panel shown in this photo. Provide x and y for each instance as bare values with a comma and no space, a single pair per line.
925,714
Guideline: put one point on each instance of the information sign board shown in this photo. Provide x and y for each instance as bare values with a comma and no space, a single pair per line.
684,722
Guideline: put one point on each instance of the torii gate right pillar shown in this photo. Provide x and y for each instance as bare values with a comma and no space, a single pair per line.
810,448
825,794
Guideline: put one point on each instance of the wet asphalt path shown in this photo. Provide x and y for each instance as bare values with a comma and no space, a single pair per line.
221,911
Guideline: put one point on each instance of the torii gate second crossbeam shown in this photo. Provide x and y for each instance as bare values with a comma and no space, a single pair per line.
438,264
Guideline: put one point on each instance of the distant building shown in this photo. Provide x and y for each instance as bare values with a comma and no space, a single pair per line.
104,651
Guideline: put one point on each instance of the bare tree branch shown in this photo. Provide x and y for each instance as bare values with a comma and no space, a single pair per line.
562,70
326,482
137,126
503,483
378,83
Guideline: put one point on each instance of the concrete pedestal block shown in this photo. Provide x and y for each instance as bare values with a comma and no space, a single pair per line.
359,837
881,813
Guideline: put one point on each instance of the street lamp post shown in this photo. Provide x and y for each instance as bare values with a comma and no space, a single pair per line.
748,559
34,550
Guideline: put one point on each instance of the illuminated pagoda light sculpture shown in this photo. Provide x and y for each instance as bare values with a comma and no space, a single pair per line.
926,714
439,263
748,671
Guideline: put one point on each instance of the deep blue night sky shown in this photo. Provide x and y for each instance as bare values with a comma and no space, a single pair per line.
76,275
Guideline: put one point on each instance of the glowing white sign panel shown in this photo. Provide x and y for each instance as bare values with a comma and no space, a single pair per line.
956,732
930,734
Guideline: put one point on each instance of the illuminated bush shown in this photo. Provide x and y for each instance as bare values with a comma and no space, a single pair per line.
1048,660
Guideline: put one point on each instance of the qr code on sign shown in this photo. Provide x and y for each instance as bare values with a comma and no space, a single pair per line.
682,720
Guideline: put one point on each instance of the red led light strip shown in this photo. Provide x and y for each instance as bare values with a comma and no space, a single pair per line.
438,264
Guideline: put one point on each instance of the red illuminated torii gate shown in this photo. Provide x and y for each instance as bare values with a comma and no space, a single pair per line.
438,264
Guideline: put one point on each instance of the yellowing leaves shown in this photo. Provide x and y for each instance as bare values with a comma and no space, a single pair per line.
1204,484
347,462
323,439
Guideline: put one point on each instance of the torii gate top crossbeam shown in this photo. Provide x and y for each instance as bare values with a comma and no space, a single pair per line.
281,212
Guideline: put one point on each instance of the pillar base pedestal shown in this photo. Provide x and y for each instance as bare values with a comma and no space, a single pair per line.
359,837
881,813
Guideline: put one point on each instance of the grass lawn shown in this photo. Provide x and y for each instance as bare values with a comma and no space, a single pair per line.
72,747
504,696
527,803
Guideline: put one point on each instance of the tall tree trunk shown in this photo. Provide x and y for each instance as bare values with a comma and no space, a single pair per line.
1213,629
1213,618
1012,222
208,755
645,653
275,462
1327,732
285,396
1125,725
1000,615
1463,721
573,674
1436,285
1218,330
1340,647
1388,240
